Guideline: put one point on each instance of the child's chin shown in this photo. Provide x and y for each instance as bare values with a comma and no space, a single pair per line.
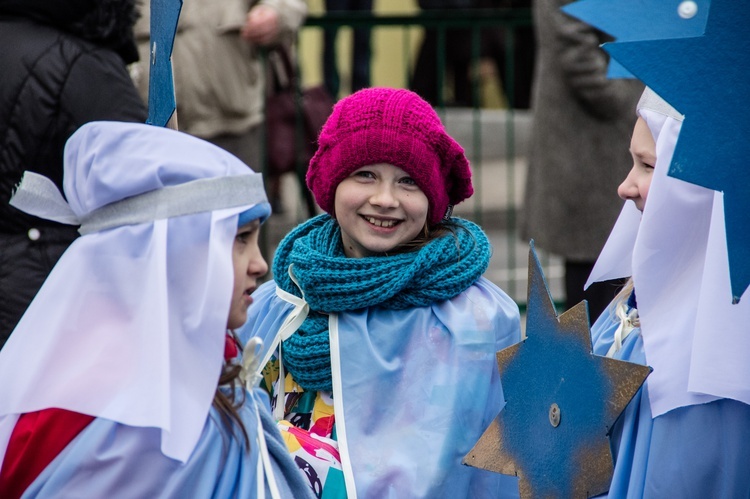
236,322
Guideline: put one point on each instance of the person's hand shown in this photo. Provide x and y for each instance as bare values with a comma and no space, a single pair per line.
262,25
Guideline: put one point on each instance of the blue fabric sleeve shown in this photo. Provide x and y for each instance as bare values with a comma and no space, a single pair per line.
692,452
113,460
265,316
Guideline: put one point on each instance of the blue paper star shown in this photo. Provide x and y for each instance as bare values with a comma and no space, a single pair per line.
561,401
707,79
631,20
161,99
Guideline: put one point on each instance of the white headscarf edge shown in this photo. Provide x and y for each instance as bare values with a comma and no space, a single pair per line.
677,256
130,324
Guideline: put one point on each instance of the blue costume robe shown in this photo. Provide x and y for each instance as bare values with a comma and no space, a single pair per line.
108,459
698,451
413,390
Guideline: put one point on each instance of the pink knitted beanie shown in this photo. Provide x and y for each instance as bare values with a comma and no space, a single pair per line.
387,125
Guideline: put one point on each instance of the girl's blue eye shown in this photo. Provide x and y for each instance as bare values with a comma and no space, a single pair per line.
364,174
408,180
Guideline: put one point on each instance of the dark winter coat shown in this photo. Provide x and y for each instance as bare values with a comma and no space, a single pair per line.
581,135
63,64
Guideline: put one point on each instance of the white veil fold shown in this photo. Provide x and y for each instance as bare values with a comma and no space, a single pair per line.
694,338
130,324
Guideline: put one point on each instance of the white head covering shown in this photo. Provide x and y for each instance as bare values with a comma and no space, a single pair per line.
130,323
694,338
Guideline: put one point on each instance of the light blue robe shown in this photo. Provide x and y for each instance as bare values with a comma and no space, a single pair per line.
413,390
108,459
698,451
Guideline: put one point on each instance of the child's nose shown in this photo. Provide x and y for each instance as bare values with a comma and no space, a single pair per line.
257,266
628,189
384,196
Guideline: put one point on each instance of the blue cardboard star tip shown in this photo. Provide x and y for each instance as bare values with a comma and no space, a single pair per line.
553,437
705,78
632,20
161,95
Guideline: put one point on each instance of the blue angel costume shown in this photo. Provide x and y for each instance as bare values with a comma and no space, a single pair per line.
126,341
685,432
697,451
92,465
414,381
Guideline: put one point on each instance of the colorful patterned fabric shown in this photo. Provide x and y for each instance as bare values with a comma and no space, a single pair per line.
308,429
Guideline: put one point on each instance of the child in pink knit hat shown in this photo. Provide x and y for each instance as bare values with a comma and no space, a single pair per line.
383,125
379,322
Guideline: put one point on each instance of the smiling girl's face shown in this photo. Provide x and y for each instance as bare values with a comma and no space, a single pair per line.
643,149
379,208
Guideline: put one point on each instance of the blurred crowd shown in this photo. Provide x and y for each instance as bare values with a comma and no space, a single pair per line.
221,90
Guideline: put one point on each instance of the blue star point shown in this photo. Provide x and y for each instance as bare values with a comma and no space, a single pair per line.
629,20
706,79
161,99
561,401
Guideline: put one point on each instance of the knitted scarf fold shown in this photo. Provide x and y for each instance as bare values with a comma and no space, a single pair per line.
440,270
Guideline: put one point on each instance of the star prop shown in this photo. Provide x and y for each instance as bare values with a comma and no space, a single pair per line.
631,20
561,401
161,99
707,79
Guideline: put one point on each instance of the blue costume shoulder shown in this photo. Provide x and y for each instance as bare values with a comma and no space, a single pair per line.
109,459
690,452
413,389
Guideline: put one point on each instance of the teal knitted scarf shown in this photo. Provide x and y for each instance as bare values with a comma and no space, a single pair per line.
440,270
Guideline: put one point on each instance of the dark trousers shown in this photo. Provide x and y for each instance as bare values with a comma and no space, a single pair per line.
458,58
361,51
494,47
457,63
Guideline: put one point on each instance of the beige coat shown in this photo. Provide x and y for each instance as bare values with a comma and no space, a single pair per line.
219,83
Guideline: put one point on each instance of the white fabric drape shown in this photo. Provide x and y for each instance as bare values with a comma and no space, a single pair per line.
694,338
130,324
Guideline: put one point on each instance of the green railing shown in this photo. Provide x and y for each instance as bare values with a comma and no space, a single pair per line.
474,20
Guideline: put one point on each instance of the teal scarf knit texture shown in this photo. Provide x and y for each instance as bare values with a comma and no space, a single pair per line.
331,283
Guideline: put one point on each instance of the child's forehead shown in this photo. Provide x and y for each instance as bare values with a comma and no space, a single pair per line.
644,129
653,121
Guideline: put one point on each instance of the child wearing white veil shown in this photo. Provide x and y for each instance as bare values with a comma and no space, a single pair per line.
122,379
685,433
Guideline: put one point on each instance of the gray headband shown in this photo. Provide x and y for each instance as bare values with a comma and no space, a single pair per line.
39,196
650,100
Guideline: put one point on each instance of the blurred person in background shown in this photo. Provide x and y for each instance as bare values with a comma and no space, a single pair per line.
457,59
361,51
219,75
496,50
493,48
582,123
